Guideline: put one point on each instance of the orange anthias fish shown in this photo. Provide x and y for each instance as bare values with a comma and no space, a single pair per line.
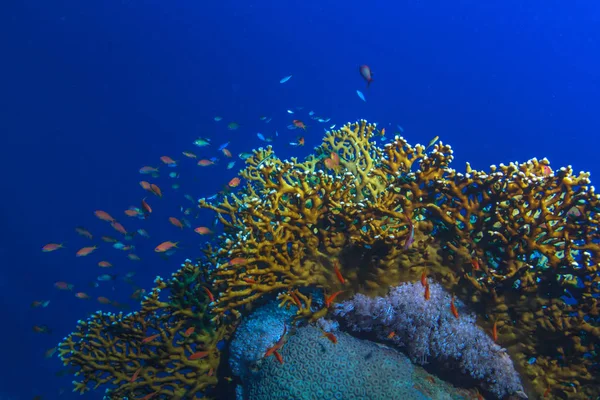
150,338
338,274
329,300
84,251
211,297
391,335
52,247
165,246
155,189
475,264
227,153
330,336
277,345
146,207
60,285
174,221
202,230
299,124
104,216
495,332
84,232
453,308
427,294
424,278
234,182
236,261
198,355
118,227
205,163
278,357
135,374
168,161
189,331
366,73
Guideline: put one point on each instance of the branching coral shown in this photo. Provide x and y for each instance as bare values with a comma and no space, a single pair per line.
511,242
122,351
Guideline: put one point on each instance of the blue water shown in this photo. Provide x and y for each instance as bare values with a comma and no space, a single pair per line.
89,93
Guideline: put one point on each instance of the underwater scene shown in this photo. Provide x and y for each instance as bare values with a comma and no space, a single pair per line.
300,200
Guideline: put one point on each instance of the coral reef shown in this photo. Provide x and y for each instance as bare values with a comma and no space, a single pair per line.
511,243
429,331
122,351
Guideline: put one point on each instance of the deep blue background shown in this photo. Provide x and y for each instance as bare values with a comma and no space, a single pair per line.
92,91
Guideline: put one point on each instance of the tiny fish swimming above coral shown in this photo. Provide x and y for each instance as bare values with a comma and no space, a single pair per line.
516,247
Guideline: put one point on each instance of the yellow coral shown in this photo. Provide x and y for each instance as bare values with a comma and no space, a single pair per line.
503,240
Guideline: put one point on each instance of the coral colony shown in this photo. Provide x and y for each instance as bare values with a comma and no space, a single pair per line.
507,261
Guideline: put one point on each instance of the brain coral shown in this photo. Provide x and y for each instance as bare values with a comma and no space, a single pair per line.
315,368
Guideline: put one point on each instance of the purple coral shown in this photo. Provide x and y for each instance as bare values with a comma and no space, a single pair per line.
428,330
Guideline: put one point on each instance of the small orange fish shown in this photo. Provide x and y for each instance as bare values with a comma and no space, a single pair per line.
104,216
189,331
52,247
84,251
149,396
145,185
475,264
299,124
131,212
227,153
176,222
330,336
495,332
338,273
205,162
234,182
391,335
234,261
546,170
103,300
278,356
165,246
198,355
296,300
250,281
63,285
546,392
155,189
150,338
453,308
118,227
168,160
135,375
189,154
82,295
84,232
146,207
424,278
330,299
427,294
277,345
202,230
301,141
211,297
